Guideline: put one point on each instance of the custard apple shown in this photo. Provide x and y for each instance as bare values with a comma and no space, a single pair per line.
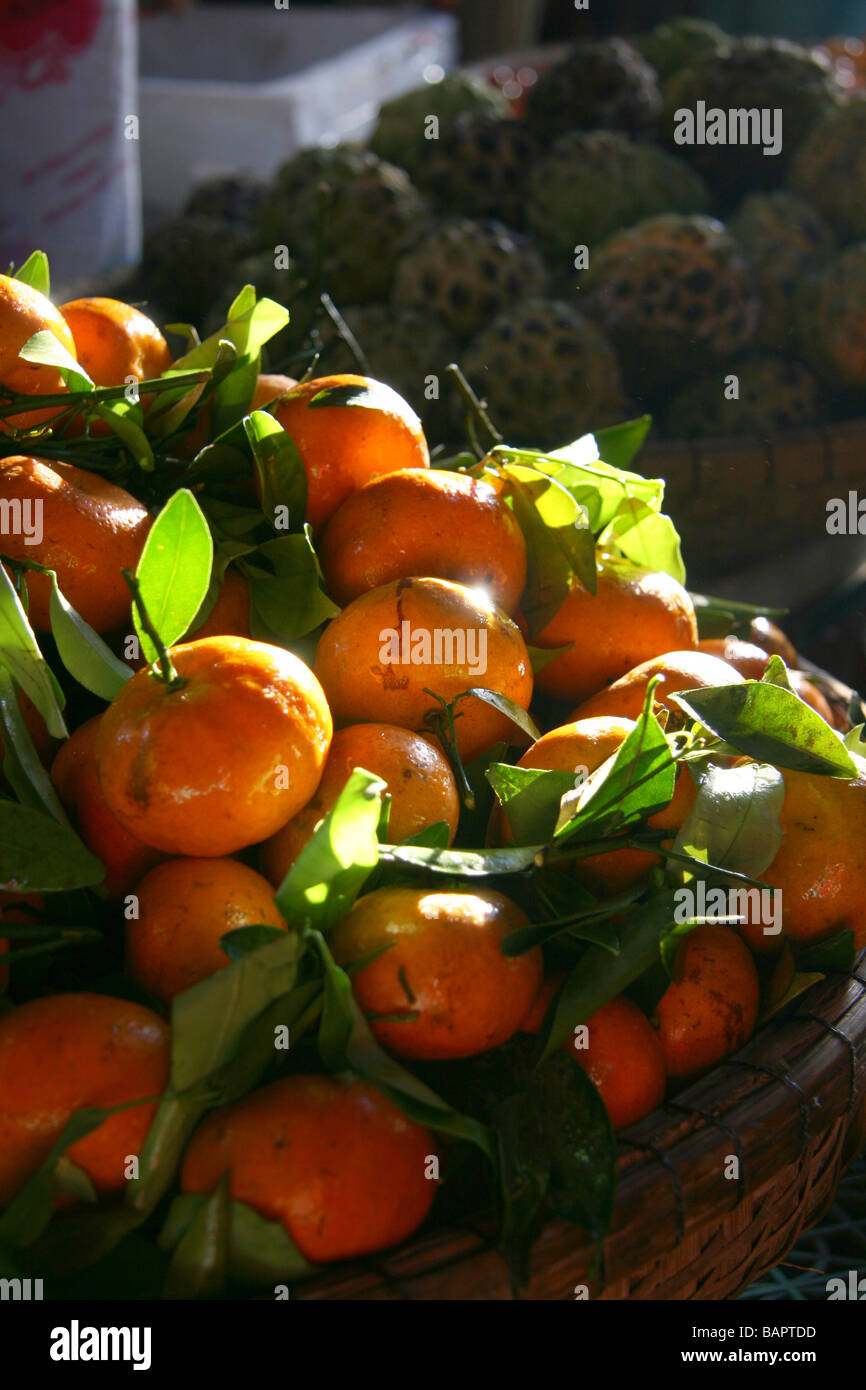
784,239
348,209
674,294
464,273
235,199
601,82
404,133
547,373
831,319
480,166
591,183
829,168
186,262
751,74
679,43
775,393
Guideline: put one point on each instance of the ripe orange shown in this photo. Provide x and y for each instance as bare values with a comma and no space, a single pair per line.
635,614
424,521
418,776
377,659
344,446
624,1058
66,1051
711,1005
750,660
444,963
23,312
230,615
223,760
184,907
687,670
581,748
90,531
74,774
114,341
269,388
819,868
333,1159
770,638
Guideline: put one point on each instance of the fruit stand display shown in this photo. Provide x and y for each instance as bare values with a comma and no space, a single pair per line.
412,888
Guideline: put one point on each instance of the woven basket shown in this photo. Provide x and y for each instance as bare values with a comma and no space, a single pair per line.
790,1109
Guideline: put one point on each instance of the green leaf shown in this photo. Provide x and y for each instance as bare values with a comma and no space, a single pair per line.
38,855
855,740
519,716
259,1251
836,952
20,654
777,674
174,570
200,1262
559,542
597,485
120,416
618,444
599,976
84,654
22,767
734,820
287,598
280,468
771,725
32,1208
531,798
333,866
247,334
242,940
47,351
635,783
591,923
646,537
34,272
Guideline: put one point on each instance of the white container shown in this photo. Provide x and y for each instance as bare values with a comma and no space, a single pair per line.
231,87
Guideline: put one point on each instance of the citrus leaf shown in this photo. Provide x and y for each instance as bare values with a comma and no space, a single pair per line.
34,272
174,570
618,444
22,767
47,351
559,542
508,707
634,783
239,942
281,471
128,431
532,799
770,724
20,654
82,651
287,599
734,820
199,1265
32,1208
646,537
333,866
39,855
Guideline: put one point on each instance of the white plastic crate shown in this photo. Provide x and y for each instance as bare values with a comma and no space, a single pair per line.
231,87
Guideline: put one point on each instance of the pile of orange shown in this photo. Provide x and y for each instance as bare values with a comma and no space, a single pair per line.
200,795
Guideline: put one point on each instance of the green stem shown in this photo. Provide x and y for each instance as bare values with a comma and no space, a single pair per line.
172,680
345,333
476,409
441,721
16,403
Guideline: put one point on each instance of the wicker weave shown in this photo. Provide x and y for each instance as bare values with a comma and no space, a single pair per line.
791,1106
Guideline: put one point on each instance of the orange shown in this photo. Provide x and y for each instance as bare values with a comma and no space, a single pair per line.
269,387
581,748
90,531
344,446
819,868
23,908
224,759
74,774
380,656
770,638
332,1159
687,670
23,312
444,968
419,780
543,999
710,1007
625,1060
184,907
634,615
114,341
230,615
745,657
429,522
66,1051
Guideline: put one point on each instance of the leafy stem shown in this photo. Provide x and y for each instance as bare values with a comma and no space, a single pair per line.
167,671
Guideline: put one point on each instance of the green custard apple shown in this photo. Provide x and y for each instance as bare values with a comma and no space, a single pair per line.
601,82
345,216
675,295
829,168
831,320
784,239
186,262
464,273
762,75
480,166
677,44
591,183
774,393
548,374
404,132
235,199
